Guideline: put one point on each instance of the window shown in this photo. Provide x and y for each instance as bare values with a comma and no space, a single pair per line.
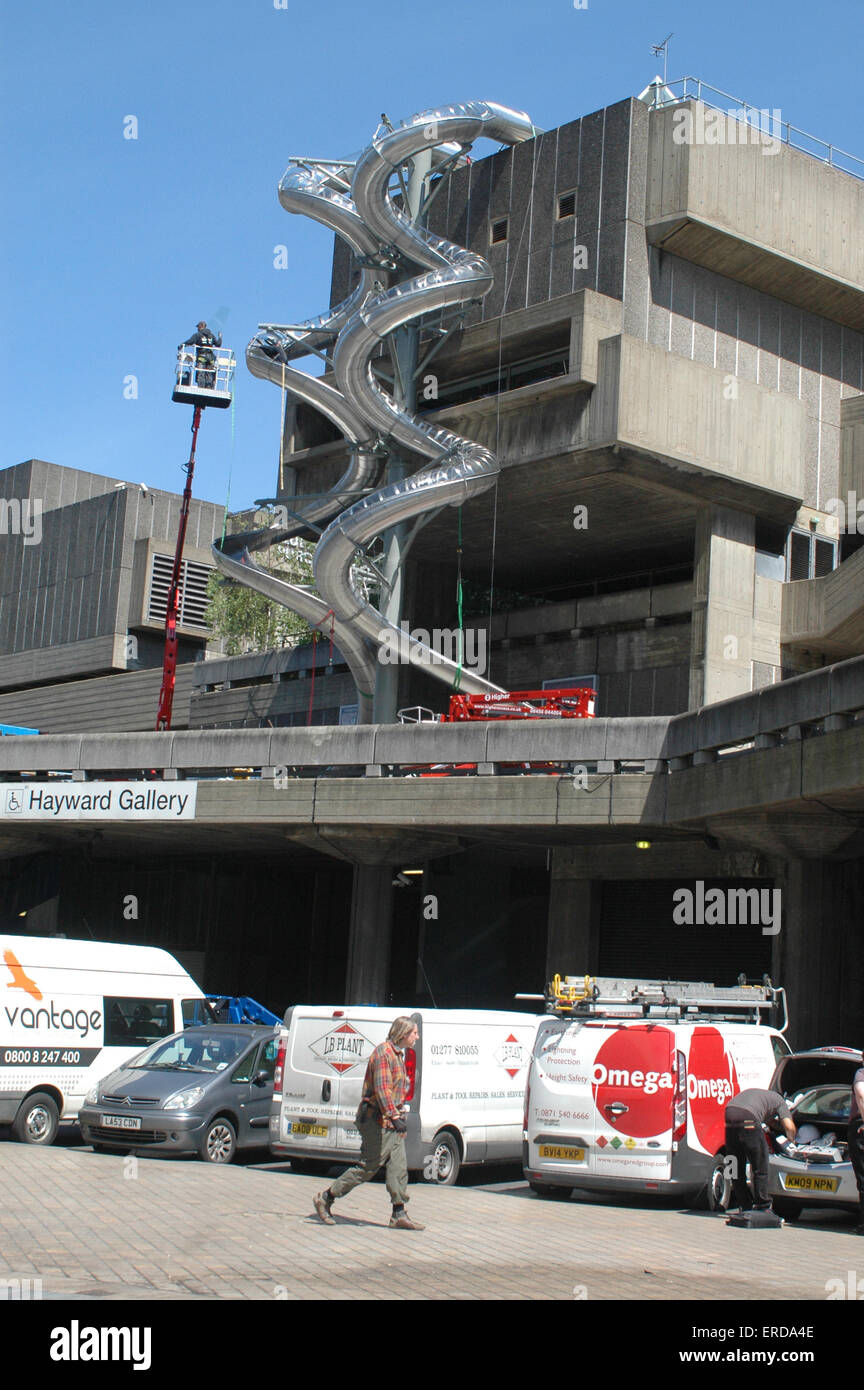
499,229
137,1021
809,556
197,1011
769,565
262,1058
566,205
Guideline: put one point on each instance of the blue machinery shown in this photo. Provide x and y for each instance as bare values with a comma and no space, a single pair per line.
355,200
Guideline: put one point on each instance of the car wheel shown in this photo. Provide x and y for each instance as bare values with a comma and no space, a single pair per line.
556,1194
219,1143
718,1189
37,1121
790,1211
443,1164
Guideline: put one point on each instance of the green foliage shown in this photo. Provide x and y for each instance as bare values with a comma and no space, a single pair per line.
248,621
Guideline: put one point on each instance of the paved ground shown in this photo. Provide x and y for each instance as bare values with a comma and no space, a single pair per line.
94,1226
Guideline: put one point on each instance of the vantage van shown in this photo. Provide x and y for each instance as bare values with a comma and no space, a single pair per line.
629,1081
72,1011
465,1100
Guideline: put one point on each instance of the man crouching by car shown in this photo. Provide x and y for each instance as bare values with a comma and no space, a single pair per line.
746,1113
382,1128
855,1137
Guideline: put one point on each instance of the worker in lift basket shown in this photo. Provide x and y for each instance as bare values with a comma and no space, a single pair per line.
381,1122
746,1113
205,359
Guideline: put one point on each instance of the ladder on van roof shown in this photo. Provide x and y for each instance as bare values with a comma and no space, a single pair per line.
587,996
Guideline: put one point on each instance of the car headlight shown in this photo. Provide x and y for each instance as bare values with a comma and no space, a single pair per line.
92,1096
184,1100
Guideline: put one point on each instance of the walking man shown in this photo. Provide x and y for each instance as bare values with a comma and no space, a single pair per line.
746,1113
855,1136
380,1120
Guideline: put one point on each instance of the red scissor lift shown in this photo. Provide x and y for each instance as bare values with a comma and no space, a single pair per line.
576,702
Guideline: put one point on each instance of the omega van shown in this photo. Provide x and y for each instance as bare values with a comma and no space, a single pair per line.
629,1081
467,1085
72,1011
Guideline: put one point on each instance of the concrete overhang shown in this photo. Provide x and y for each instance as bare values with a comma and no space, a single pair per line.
826,614
712,181
717,438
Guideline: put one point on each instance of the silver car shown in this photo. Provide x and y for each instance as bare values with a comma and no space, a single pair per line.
815,1170
206,1090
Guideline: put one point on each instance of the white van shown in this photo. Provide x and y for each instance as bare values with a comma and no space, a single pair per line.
629,1081
72,1011
465,1101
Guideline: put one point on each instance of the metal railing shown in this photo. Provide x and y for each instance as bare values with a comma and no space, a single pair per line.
768,122
204,368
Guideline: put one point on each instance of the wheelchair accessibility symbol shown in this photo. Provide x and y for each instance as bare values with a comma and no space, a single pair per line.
14,802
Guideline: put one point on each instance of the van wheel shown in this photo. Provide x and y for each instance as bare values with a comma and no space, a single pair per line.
219,1143
443,1164
542,1189
37,1121
718,1189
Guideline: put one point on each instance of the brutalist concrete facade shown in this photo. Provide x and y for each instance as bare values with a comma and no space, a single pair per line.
670,368
676,329
76,597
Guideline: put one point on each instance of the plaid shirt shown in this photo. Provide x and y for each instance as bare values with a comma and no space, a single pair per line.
385,1084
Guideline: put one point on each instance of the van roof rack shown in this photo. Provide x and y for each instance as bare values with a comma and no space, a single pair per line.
586,996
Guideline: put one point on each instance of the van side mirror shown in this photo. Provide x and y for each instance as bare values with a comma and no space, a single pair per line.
261,1078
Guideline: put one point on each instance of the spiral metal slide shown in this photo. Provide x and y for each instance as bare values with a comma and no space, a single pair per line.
455,469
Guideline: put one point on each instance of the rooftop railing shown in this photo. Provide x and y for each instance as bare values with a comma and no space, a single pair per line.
767,121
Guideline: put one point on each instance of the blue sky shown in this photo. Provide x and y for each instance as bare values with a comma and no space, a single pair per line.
114,248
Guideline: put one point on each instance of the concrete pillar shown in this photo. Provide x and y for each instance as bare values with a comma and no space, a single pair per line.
721,659
573,932
820,952
369,940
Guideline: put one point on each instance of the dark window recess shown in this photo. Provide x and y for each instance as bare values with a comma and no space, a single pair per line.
824,559
566,205
137,1021
499,230
515,374
799,555
809,556
639,938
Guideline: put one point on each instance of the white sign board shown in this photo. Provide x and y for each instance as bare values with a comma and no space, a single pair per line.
117,801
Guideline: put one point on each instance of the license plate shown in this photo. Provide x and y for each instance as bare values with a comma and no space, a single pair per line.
317,1131
556,1151
802,1184
121,1121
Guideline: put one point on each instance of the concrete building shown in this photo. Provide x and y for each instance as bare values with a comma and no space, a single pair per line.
670,368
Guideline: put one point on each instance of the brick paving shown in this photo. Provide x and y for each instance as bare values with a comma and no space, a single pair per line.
97,1226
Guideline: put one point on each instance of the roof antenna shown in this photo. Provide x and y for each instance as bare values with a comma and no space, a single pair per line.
658,48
